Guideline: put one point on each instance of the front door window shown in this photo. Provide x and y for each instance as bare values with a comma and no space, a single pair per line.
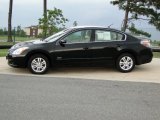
83,36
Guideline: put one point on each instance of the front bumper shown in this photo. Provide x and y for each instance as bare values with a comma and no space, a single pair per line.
16,61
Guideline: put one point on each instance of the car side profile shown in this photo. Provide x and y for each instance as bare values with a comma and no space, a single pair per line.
82,44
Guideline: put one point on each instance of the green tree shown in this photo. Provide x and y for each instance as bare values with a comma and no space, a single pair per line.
135,31
23,34
1,32
5,31
10,21
75,23
126,6
18,31
148,10
54,20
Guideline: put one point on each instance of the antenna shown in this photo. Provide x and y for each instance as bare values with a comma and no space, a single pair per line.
110,25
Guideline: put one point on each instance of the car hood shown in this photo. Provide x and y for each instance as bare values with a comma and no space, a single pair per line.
27,43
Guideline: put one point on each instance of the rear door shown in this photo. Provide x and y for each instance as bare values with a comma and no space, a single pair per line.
106,44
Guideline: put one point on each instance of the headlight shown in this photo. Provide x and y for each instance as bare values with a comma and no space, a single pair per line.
19,51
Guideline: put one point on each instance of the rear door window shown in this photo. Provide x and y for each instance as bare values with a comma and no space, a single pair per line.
103,35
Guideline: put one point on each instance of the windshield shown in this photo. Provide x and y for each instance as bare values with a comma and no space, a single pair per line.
56,36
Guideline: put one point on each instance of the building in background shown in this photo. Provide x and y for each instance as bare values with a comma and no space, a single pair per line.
33,31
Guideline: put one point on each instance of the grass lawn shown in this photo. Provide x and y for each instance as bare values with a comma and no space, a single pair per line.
3,52
156,54
6,43
3,40
19,39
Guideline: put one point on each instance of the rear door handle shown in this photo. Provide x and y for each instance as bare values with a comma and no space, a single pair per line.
85,48
118,45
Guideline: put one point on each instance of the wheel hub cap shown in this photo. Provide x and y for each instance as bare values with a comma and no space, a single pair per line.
126,63
38,65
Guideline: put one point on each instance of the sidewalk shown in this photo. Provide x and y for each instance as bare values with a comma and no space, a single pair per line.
144,73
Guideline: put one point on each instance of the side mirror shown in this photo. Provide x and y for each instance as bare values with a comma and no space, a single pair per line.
62,42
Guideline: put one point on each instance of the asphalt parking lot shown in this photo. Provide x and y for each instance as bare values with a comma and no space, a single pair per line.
144,73
75,93
51,98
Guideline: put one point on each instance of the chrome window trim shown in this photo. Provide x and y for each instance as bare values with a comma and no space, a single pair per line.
72,31
100,41
105,29
125,36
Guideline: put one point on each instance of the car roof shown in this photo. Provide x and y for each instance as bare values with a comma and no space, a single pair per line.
93,27
76,27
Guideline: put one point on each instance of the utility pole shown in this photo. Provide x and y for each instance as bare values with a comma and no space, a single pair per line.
45,17
10,21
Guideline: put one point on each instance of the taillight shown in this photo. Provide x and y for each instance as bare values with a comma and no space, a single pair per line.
146,43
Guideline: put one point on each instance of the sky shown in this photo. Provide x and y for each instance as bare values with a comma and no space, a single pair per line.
85,12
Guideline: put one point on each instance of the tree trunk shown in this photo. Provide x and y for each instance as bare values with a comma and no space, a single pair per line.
45,16
125,22
10,21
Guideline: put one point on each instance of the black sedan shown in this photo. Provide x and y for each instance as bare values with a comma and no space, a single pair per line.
82,44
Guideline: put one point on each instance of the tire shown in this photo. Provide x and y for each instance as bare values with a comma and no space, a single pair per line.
125,63
38,64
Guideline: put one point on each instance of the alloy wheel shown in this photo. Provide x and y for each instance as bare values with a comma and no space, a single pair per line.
126,63
38,65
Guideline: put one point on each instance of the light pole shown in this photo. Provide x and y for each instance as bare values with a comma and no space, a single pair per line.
14,39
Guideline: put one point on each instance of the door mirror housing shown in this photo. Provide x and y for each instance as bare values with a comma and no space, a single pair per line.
62,42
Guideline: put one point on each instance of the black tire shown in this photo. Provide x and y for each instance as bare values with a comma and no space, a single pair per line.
126,66
35,60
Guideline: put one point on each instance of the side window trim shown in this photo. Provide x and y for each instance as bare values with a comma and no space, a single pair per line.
123,39
73,31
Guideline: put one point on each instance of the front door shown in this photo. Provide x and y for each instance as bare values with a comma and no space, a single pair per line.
75,46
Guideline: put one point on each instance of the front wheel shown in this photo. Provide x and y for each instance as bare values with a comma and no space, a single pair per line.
125,63
38,64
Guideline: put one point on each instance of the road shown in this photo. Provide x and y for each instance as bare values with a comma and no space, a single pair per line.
51,98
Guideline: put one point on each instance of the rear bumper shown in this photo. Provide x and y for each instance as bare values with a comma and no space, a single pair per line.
16,61
145,56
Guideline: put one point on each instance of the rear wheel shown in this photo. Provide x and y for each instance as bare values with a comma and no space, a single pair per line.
38,64
125,63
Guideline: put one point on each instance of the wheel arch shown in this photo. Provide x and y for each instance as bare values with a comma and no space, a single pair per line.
133,53
34,52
